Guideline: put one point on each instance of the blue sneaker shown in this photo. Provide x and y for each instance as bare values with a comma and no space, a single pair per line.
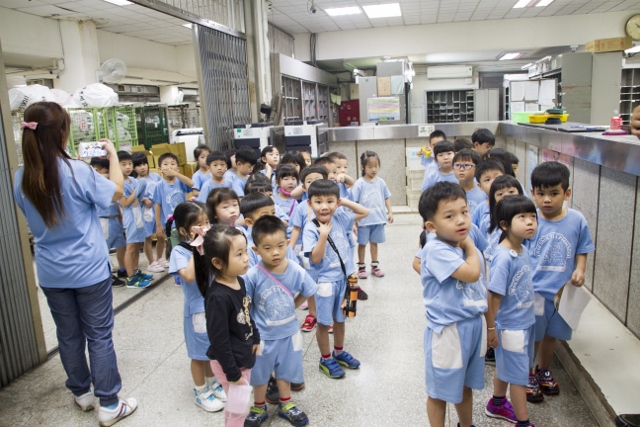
331,368
291,413
347,360
135,282
143,276
257,415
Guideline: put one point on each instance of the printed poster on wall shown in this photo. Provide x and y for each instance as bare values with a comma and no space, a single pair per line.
532,162
554,156
383,108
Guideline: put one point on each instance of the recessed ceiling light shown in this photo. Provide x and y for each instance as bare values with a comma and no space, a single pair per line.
389,10
341,11
189,25
119,2
522,3
511,55
543,3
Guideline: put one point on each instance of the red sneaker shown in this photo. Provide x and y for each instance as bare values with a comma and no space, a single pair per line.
534,394
548,384
309,323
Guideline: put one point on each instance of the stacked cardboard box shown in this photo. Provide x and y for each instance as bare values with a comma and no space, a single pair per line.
179,150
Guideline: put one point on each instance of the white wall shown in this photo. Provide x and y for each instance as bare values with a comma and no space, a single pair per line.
22,33
500,35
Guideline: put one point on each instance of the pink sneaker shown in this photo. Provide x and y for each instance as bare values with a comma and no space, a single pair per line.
162,262
503,412
375,270
304,306
362,273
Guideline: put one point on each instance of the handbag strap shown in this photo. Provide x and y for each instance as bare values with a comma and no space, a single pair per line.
283,287
335,249
293,206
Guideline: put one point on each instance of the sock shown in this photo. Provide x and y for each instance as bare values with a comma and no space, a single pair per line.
361,266
284,401
524,423
260,404
202,388
209,380
498,400
338,350
326,356
114,406
374,264
122,270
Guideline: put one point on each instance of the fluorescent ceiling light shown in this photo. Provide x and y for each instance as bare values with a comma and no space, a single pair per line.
341,11
526,66
521,4
512,55
389,10
188,25
119,2
634,49
543,3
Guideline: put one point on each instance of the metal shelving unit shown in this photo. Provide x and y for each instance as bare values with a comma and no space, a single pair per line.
450,106
629,92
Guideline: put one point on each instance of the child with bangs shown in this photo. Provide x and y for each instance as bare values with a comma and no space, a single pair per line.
223,205
287,181
464,167
203,173
217,164
443,154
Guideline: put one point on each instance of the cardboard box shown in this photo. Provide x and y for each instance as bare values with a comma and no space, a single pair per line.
190,168
139,147
180,150
609,45
354,91
159,149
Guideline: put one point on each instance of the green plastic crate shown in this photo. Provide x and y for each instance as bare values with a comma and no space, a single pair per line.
122,127
152,125
87,125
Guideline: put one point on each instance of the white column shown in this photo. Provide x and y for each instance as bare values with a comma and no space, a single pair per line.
259,65
80,53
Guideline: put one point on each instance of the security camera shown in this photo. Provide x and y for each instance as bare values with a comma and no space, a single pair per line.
313,7
314,10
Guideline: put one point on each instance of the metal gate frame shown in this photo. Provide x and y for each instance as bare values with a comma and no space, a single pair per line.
224,84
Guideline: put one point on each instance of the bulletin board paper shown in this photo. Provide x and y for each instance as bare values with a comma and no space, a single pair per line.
517,91
554,156
384,86
532,107
547,91
532,162
383,108
531,91
397,85
517,107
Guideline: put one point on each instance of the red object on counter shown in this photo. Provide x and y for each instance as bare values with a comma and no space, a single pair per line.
616,123
349,113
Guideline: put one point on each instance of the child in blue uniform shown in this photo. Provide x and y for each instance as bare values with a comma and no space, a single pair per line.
203,174
443,153
464,167
133,223
511,318
169,192
223,205
191,221
287,181
332,264
371,192
455,299
246,159
428,159
558,255
217,163
486,172
276,287
502,186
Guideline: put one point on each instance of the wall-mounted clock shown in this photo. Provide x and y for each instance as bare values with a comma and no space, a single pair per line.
632,28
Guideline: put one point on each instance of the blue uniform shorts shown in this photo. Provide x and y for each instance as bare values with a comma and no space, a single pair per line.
514,355
283,356
329,297
552,324
454,359
113,233
371,233
195,336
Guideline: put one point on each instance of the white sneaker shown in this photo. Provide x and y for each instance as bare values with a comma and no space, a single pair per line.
108,417
162,262
155,267
218,391
207,401
85,401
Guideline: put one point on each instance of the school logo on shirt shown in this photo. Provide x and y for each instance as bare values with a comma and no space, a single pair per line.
493,240
474,294
277,306
342,244
522,287
553,250
472,205
373,201
174,198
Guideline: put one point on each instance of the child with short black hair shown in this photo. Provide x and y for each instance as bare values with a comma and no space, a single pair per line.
141,169
275,282
203,174
460,144
455,299
427,159
464,167
233,337
231,164
270,159
287,181
371,192
503,156
326,244
329,162
295,159
133,223
246,159
514,164
483,140
558,255
307,157
502,186
258,183
344,181
191,221
510,318
217,164
223,205
443,153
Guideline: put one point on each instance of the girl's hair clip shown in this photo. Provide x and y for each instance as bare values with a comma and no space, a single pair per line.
170,218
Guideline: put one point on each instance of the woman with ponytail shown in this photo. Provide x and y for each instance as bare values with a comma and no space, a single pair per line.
59,196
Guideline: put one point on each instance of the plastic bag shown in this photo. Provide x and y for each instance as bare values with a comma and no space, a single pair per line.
21,97
62,97
95,95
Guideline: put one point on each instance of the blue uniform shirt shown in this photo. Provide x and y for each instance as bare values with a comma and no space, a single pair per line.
254,258
511,278
287,207
476,197
301,214
329,269
474,233
448,300
433,176
238,185
272,308
480,216
199,178
371,195
168,196
208,186
73,253
193,299
554,248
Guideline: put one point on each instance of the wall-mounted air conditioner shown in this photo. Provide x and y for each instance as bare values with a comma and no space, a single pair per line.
450,72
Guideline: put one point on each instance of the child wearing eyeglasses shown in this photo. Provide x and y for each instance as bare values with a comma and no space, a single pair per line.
443,153
464,167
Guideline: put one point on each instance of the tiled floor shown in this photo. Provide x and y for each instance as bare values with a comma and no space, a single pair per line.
386,336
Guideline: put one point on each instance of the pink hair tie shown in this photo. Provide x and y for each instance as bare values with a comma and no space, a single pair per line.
30,125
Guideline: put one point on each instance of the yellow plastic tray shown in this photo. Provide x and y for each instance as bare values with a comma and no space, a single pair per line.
542,118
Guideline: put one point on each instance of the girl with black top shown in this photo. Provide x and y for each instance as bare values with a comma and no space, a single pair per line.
233,337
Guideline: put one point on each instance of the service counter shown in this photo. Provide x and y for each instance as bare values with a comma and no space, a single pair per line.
605,188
